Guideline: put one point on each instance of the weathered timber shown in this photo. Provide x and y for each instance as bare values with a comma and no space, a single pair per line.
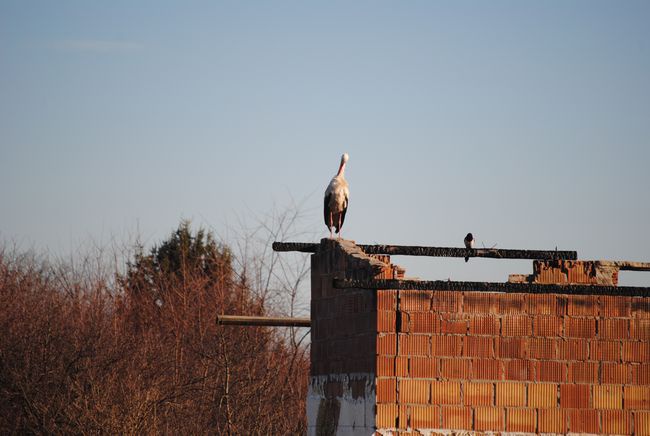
303,247
523,288
263,321
415,250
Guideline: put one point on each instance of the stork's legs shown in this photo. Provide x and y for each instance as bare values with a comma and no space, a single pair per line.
339,227
330,224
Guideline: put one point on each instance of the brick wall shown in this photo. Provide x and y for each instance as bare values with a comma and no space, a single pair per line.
484,362
341,396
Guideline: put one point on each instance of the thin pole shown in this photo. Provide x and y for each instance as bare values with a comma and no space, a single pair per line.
263,321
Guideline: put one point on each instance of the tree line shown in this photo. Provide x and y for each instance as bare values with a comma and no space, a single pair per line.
139,351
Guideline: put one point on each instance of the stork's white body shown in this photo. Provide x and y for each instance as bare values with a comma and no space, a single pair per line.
336,199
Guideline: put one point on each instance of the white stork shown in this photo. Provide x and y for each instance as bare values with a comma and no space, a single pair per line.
336,199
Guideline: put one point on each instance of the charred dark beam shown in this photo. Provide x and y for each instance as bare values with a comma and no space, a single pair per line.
303,247
523,288
415,250
262,321
494,253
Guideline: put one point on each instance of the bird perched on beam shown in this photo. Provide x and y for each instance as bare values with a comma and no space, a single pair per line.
336,199
469,243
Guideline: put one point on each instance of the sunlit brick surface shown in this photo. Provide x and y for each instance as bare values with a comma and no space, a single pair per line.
491,362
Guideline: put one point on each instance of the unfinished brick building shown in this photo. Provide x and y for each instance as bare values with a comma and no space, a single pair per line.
534,355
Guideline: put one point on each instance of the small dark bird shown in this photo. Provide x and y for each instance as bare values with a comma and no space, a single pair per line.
469,243
336,199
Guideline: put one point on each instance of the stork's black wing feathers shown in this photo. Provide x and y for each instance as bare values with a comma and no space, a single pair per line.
345,209
326,211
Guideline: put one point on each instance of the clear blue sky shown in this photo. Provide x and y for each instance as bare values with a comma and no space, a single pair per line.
527,123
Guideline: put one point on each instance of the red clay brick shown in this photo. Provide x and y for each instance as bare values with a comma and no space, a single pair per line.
452,323
642,423
480,302
516,325
402,366
414,345
518,369
478,346
425,417
445,392
543,348
613,328
616,421
636,351
486,369
550,371
424,367
485,325
547,326
573,349
524,420
583,305
640,307
386,415
510,394
414,391
385,366
585,421
455,368
552,421
386,390
609,351
386,344
386,300
608,397
511,348
447,301
542,395
403,417
385,321
457,418
583,372
403,324
488,418
546,304
580,327
412,301
448,345
636,397
640,329
641,374
513,303
574,396
478,394
424,322
617,373
614,306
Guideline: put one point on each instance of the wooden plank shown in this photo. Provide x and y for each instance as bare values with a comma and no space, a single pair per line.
415,250
263,321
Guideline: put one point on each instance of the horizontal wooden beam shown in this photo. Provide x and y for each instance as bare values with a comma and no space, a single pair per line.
415,250
524,288
262,321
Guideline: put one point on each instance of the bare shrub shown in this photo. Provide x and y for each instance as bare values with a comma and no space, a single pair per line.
81,352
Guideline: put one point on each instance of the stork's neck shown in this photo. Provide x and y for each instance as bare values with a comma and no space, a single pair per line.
341,169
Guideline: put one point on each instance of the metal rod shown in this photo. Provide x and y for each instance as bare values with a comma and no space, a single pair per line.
524,288
263,321
415,250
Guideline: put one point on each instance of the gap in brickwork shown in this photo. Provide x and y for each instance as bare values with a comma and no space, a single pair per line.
477,269
634,278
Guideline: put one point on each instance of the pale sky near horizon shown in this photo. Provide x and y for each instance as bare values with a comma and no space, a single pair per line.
526,123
